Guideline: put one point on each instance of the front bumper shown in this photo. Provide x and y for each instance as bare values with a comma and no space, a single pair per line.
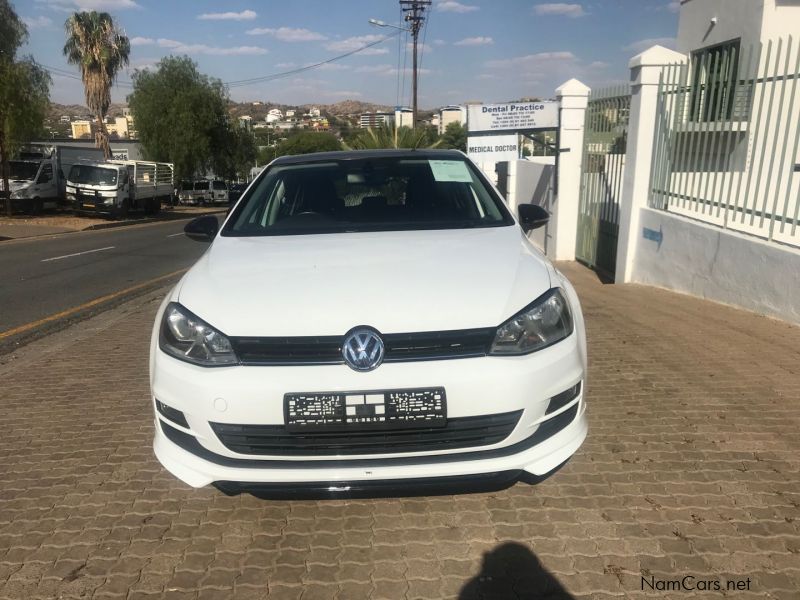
474,387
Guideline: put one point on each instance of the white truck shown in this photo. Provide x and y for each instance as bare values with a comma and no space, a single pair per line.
117,187
37,176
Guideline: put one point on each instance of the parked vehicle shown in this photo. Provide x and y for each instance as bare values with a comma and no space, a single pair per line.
235,192
37,181
368,318
219,192
200,191
185,192
118,187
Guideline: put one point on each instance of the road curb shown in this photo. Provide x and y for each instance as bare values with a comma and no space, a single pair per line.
114,225
169,217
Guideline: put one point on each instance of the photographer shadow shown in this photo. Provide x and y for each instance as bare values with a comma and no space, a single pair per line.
513,571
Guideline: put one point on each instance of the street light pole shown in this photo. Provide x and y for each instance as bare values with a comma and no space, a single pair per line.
414,10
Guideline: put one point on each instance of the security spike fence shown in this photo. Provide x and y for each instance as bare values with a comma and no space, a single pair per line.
605,142
727,139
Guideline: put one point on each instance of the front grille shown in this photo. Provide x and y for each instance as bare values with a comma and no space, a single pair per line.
432,345
460,432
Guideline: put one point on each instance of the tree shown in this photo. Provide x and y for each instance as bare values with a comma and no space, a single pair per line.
100,49
301,142
455,137
182,117
237,155
388,136
24,93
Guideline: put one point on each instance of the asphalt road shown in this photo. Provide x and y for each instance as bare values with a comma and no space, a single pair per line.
44,277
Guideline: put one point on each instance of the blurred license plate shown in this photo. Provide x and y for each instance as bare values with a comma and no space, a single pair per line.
383,409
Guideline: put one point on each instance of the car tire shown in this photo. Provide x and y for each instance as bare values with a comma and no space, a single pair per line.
37,206
121,213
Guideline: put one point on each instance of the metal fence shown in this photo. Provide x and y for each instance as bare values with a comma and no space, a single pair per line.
727,139
605,141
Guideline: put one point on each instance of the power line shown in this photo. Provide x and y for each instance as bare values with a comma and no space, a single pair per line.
252,80
273,76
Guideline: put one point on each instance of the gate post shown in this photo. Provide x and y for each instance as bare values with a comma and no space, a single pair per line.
573,97
646,70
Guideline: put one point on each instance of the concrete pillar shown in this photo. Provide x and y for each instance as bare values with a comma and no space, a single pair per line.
573,97
645,69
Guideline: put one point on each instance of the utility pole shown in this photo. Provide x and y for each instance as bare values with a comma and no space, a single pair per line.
414,10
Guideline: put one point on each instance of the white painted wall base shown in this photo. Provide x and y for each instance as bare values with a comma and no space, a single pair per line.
717,264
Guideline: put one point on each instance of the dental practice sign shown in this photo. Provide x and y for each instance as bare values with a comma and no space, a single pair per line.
493,129
511,117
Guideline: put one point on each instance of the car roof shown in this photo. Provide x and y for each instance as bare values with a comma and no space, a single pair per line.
362,154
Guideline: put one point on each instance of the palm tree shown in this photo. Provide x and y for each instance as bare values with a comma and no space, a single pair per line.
388,136
100,49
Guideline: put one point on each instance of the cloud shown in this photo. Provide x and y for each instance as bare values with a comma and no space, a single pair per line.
78,5
286,65
343,94
40,22
456,7
573,11
598,64
288,34
388,70
533,60
356,42
673,7
245,15
331,67
439,42
642,45
474,41
188,48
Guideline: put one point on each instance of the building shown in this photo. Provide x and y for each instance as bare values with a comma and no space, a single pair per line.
64,119
290,114
451,114
118,128
120,149
273,118
246,122
404,117
82,129
376,119
314,112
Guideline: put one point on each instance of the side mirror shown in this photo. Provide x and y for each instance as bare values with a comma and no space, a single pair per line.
202,229
532,216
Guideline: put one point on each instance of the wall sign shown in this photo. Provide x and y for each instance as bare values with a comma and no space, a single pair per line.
513,116
493,148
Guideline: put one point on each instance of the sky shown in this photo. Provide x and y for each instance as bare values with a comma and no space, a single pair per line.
474,50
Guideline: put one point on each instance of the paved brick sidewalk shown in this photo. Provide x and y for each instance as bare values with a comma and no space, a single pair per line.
692,467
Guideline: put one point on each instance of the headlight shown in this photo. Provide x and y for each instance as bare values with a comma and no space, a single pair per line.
17,194
537,326
189,338
70,197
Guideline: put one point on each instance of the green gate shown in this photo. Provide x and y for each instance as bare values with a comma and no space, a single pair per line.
605,137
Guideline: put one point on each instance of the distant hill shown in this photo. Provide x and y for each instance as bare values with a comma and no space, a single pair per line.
256,110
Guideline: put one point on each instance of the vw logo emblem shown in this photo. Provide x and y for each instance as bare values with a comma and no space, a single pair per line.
362,349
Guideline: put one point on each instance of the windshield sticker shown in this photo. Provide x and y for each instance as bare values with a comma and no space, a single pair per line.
450,170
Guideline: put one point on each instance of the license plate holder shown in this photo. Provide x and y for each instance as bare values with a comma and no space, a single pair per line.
365,410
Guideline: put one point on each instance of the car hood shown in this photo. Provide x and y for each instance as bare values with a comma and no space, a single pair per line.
396,282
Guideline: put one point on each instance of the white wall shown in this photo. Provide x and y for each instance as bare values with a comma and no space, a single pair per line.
735,18
751,20
725,266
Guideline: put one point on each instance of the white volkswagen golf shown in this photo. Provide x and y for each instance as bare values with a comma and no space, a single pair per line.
367,319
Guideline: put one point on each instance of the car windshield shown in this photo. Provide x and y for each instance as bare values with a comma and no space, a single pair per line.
201,185
367,194
186,185
219,185
92,175
22,170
